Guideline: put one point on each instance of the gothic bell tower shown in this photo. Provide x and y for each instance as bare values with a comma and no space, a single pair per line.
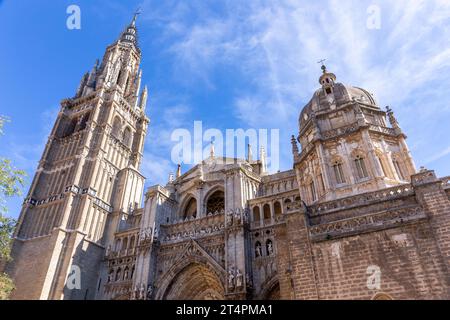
88,177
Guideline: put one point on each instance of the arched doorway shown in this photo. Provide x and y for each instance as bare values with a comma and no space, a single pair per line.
271,290
274,293
195,282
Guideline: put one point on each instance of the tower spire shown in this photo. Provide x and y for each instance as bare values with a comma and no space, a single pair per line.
129,35
136,13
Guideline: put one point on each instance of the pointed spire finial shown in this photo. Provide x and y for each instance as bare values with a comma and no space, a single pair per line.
249,153
212,151
179,170
263,159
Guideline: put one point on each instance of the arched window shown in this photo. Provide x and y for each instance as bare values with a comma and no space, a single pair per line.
381,163
361,167
127,136
398,169
256,214
312,191
215,202
126,273
83,121
70,129
127,83
338,172
125,244
110,275
117,124
269,247
118,244
277,208
119,76
266,211
132,240
118,274
190,210
287,204
132,271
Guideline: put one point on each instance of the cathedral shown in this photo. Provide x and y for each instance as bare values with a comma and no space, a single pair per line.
352,219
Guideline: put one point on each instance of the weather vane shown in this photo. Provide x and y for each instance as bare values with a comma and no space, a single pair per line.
324,69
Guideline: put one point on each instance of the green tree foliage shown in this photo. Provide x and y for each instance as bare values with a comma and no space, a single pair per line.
11,182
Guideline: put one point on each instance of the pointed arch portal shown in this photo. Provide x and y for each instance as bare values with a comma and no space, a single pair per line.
195,282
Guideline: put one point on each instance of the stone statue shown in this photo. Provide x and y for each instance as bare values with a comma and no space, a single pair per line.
142,292
269,248
231,278
237,216
149,291
248,280
108,251
239,279
230,218
134,293
258,252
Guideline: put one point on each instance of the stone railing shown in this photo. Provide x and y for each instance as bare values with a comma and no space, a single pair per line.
362,199
386,130
340,131
367,223
195,227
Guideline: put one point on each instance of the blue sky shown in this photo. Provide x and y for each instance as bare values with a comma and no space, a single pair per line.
231,64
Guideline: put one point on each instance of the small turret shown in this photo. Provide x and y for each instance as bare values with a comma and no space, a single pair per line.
143,99
249,153
263,159
178,171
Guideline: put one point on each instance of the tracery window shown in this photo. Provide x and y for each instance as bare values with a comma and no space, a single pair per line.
116,127
266,211
383,169
127,137
277,208
215,202
361,167
287,204
338,172
398,169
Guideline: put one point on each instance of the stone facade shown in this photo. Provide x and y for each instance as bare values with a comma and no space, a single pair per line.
353,219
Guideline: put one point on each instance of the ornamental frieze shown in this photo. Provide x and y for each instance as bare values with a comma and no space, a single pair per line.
379,221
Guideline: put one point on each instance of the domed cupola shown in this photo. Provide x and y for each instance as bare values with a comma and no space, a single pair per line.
327,80
346,145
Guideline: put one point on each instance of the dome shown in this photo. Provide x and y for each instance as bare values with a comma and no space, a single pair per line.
329,97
